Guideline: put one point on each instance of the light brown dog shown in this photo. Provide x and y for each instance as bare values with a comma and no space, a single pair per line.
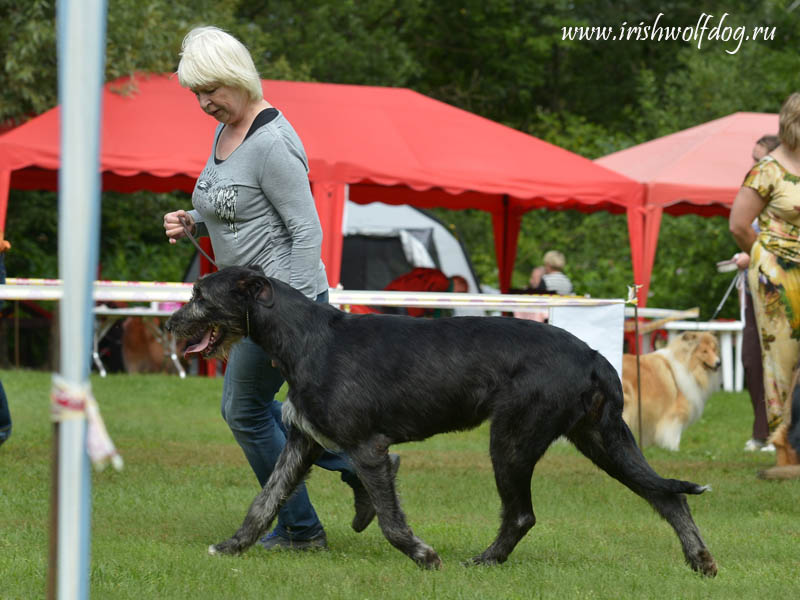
676,382
142,351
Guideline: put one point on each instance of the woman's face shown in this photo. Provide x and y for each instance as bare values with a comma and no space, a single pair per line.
226,104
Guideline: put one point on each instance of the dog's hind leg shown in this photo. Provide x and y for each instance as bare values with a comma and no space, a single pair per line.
375,471
610,445
294,462
513,461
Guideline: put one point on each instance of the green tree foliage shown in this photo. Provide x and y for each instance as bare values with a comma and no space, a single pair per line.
141,36
505,60
133,245
347,41
28,78
32,227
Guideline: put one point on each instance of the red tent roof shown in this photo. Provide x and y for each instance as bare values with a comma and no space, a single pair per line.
697,170
392,145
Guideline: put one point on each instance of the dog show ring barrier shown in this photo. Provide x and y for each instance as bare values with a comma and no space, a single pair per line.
730,334
163,299
599,322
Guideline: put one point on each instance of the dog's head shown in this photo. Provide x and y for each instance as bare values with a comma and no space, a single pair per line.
218,314
698,348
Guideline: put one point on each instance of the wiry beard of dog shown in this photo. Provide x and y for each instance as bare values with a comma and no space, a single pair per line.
197,318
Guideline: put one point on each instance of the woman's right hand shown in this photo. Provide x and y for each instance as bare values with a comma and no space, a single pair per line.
173,227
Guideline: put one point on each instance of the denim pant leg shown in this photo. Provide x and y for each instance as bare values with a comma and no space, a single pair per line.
248,393
329,460
5,416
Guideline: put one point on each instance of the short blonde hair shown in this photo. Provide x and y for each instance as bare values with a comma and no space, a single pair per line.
211,56
555,260
789,122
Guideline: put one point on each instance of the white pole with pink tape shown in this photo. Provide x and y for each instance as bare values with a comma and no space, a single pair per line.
81,58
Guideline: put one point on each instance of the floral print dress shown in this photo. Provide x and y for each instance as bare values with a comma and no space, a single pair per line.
774,279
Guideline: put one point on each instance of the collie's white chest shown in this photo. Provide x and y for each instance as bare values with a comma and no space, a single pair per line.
695,395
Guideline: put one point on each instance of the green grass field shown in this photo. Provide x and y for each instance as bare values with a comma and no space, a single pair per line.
186,484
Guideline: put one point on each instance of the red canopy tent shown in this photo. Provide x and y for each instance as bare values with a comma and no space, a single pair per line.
695,171
391,145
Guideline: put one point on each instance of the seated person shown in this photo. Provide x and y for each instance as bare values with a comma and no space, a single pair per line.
550,278
546,279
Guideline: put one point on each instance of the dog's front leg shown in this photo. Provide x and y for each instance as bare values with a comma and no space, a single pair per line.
293,463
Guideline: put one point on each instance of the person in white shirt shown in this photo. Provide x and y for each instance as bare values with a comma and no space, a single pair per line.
550,277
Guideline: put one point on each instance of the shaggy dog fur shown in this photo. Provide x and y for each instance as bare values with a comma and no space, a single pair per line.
361,383
676,382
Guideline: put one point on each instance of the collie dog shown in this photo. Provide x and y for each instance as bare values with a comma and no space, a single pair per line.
676,382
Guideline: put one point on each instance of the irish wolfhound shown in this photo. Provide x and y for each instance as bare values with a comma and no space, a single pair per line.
360,383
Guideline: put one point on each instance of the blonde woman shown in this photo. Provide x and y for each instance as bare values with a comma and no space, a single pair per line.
253,199
550,277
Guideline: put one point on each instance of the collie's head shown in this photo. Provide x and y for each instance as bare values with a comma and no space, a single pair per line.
698,351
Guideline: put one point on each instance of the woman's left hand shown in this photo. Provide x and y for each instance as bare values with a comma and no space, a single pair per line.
742,260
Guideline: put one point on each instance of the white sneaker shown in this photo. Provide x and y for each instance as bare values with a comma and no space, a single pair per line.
768,448
752,445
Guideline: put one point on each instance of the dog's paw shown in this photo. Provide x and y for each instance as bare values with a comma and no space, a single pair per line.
704,563
427,558
480,561
229,546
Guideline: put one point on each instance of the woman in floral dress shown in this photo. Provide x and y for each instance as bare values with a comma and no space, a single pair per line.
771,192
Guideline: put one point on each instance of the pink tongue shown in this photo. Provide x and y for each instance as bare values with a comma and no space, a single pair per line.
199,346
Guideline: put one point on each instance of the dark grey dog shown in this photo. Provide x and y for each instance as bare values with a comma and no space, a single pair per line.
361,383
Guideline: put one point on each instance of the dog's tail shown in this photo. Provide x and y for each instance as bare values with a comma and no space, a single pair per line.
625,459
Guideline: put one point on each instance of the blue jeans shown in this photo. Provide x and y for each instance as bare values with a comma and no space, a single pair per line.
5,416
254,416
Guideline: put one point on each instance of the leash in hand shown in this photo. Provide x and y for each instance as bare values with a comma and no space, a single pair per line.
727,293
194,241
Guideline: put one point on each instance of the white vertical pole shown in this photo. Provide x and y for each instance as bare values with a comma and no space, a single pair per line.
81,59
726,351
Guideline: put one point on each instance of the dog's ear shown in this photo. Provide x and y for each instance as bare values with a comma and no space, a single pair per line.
255,286
267,294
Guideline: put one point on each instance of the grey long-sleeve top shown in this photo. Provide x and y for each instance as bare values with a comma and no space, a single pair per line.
257,207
